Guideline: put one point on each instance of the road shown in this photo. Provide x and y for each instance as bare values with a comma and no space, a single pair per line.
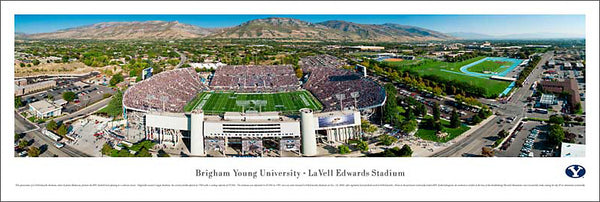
41,141
484,135
85,111
182,60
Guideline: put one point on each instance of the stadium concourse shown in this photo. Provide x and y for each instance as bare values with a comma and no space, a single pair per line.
154,108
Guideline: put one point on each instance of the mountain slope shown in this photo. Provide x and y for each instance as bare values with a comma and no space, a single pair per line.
385,32
128,30
279,28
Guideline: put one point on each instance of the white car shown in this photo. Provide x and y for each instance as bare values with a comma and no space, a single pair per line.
59,145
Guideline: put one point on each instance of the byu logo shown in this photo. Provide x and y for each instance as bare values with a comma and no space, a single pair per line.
575,171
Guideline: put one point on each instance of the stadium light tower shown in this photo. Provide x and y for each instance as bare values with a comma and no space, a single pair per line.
164,99
341,97
355,95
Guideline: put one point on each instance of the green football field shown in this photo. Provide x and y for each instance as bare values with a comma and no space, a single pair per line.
219,102
491,66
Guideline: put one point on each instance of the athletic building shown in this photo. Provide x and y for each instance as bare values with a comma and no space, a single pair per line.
158,109
247,131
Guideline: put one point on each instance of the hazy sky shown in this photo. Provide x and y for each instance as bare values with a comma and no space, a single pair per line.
484,24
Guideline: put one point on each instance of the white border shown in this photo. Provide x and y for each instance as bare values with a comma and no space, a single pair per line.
180,170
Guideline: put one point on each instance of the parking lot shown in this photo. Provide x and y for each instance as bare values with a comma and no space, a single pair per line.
85,133
85,95
530,141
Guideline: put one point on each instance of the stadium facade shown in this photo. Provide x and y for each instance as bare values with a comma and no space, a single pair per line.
155,107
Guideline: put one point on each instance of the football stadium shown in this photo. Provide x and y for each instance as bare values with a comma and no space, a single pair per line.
249,110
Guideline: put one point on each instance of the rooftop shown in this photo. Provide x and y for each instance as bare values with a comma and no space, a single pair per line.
572,150
43,106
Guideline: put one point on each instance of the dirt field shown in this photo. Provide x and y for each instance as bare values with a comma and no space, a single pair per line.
57,68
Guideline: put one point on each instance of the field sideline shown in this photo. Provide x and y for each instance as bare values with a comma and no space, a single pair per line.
220,102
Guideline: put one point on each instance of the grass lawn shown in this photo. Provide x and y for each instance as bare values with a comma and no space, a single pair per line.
428,134
434,67
490,66
219,102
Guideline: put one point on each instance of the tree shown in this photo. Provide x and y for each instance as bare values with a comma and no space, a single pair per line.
420,110
343,149
123,153
18,102
51,125
117,78
33,151
17,136
367,127
69,96
503,133
50,97
106,149
436,112
387,140
23,144
454,119
476,119
578,108
143,153
556,119
362,146
162,153
62,130
22,64
409,126
36,62
406,151
556,135
115,106
299,73
487,151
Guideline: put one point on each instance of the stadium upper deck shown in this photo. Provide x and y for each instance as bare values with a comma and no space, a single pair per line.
255,78
326,80
168,91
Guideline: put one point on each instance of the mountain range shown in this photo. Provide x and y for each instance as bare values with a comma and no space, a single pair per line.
267,28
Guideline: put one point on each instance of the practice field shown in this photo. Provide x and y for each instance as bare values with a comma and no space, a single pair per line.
452,71
490,66
219,102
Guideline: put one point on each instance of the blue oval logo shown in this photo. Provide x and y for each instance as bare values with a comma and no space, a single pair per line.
575,171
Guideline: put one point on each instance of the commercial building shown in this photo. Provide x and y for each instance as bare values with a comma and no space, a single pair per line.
44,109
34,87
568,86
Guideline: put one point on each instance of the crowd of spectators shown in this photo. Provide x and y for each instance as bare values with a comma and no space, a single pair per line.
168,91
255,78
326,80
311,62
